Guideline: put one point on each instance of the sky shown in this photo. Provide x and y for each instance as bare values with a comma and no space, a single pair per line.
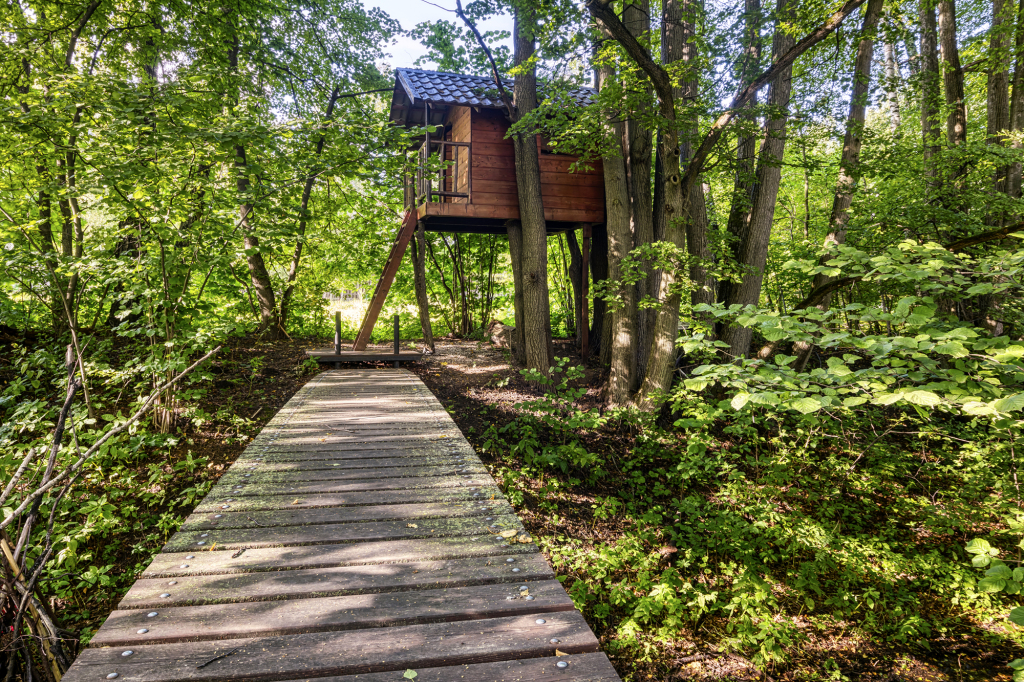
412,12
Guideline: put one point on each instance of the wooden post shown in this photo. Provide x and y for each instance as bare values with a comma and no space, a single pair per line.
584,305
397,342
337,332
386,279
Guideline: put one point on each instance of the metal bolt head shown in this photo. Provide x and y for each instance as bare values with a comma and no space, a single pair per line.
152,614
218,516
540,621
201,542
173,582
127,653
554,640
510,560
183,566
142,631
203,535
112,676
225,506
165,595
562,664
515,570
524,588
191,556
489,518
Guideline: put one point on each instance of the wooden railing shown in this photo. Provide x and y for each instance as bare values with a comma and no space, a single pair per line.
448,174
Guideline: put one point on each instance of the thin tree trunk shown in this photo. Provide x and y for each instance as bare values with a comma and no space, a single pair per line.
576,272
419,268
892,86
849,170
536,302
753,253
307,190
620,355
600,333
953,75
998,89
514,229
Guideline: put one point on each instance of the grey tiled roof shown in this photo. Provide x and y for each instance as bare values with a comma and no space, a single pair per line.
437,87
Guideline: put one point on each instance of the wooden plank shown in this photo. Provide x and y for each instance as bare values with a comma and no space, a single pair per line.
350,456
380,293
330,613
217,519
218,561
373,449
338,474
287,536
405,483
341,653
588,667
573,216
329,352
269,464
335,581
355,499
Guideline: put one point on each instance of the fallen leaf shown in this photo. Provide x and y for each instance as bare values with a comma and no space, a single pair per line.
409,674
525,539
411,525
560,653
509,533
295,501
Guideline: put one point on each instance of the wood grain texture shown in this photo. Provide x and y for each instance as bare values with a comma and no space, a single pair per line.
360,578
341,653
320,612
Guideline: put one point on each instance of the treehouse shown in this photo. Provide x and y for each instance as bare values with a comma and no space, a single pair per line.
465,180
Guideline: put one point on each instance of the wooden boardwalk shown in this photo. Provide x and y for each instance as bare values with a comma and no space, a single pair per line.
356,538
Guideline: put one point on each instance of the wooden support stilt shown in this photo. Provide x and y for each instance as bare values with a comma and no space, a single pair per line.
386,279
585,322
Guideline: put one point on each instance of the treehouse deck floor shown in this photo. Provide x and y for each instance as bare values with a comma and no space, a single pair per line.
357,537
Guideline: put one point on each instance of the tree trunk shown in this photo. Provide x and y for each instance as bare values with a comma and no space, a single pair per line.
515,252
600,322
892,85
636,17
536,303
620,355
753,251
931,95
419,268
1017,104
307,190
849,170
269,322
746,146
998,89
953,75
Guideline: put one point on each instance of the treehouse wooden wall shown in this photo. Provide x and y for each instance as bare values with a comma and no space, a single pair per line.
568,196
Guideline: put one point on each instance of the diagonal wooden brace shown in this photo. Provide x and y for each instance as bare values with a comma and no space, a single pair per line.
386,279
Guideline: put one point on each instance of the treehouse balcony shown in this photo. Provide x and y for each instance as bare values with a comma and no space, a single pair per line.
465,179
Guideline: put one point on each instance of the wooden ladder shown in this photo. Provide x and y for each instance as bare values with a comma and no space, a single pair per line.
387,278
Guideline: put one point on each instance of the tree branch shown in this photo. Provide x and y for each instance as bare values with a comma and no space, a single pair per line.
506,100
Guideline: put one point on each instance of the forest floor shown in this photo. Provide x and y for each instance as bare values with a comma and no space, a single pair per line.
476,383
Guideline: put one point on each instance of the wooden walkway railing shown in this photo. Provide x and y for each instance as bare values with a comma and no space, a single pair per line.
358,537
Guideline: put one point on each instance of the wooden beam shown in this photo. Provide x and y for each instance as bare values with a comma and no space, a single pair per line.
387,278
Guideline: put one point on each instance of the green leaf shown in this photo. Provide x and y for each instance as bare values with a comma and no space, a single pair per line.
978,546
981,561
410,674
739,400
991,584
926,398
954,348
854,401
1017,618
1010,404
805,405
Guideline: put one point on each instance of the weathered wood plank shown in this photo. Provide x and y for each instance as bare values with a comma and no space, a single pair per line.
338,474
335,581
267,465
306,487
313,501
284,536
218,561
579,668
217,519
341,653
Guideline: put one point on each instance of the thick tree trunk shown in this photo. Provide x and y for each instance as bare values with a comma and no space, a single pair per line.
514,229
1017,103
636,17
620,354
269,322
419,268
746,145
753,251
998,88
536,303
849,163
953,75
931,91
